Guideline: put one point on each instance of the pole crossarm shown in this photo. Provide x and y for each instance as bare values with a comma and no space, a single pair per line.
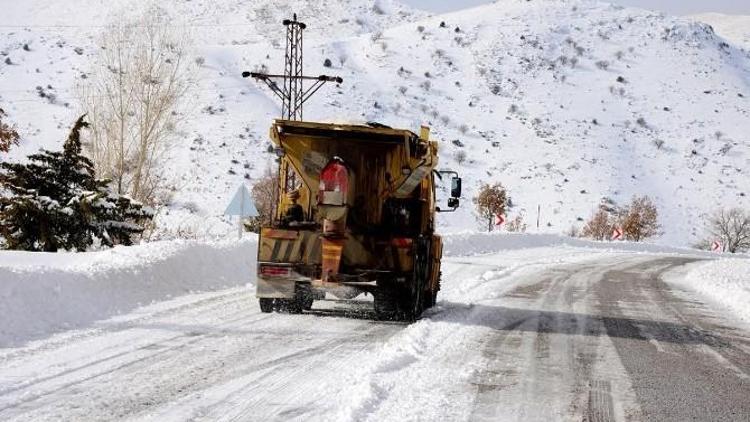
292,93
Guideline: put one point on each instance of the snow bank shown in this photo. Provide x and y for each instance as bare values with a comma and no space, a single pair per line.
472,243
44,293
726,281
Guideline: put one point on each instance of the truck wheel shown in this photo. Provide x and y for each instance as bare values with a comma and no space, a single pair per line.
418,299
304,296
430,298
386,307
307,303
266,305
291,306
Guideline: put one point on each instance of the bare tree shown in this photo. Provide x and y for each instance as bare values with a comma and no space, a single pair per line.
134,100
265,193
8,134
732,227
639,220
490,202
600,226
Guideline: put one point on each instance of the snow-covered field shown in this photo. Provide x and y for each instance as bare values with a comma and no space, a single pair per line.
565,102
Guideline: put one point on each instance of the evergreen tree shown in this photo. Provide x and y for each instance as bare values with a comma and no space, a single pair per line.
55,202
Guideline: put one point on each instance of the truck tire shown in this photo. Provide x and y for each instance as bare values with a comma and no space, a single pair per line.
430,298
419,297
266,305
386,306
305,297
290,306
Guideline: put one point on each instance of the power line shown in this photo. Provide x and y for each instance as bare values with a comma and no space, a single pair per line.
191,25
76,97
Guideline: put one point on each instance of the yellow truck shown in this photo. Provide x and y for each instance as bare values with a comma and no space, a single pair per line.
355,213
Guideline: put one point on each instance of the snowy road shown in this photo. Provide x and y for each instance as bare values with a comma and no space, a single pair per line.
558,334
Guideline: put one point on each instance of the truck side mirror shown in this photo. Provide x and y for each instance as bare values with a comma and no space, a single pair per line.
456,188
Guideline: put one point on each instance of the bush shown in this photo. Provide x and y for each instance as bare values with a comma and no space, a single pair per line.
8,134
639,220
460,157
490,202
516,225
600,226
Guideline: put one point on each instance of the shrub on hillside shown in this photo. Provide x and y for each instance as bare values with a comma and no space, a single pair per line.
516,225
600,226
460,157
8,134
639,220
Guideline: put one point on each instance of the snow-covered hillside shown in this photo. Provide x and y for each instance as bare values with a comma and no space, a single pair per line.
732,27
565,102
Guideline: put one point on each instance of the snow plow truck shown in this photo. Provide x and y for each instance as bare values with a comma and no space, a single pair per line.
354,213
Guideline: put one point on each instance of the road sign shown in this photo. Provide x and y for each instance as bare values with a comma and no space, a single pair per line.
499,220
243,206
716,246
617,233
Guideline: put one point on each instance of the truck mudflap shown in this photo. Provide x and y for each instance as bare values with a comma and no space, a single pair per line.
275,288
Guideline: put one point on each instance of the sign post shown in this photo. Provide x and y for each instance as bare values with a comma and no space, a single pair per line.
242,206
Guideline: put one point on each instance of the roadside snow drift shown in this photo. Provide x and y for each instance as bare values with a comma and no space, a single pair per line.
41,293
726,281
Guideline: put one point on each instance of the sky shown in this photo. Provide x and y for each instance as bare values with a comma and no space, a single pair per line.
674,7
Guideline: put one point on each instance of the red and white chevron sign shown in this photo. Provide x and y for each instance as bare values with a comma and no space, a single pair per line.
716,246
617,233
499,220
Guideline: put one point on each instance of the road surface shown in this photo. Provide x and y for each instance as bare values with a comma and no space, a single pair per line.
578,336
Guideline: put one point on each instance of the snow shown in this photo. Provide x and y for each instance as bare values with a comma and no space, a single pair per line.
724,281
498,77
731,27
472,243
45,293
211,354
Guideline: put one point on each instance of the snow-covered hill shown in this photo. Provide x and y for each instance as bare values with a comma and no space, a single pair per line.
731,27
565,102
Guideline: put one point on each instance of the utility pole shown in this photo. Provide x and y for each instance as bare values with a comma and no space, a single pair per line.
292,93
538,214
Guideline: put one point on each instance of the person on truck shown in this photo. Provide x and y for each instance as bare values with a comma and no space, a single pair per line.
294,213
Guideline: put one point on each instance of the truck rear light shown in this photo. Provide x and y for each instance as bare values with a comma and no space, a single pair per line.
275,271
402,242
